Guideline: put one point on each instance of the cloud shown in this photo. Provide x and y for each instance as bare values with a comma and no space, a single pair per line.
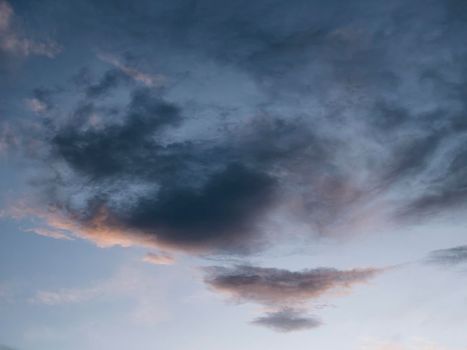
50,233
311,145
36,105
287,320
110,80
67,296
158,259
283,290
95,230
183,195
272,286
329,124
143,295
149,80
41,100
450,256
12,42
8,138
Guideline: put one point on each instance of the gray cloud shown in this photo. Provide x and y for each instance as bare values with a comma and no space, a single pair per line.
450,256
283,290
110,80
287,320
350,106
272,286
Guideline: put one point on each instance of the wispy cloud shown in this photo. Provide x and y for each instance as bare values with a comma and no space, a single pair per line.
158,259
129,283
35,105
53,222
69,296
50,233
449,256
150,80
13,42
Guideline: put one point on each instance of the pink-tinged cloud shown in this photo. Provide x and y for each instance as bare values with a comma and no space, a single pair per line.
284,292
50,233
11,41
96,229
36,105
158,259
149,80
271,286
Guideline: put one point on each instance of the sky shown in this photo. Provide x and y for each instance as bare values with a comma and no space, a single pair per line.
211,174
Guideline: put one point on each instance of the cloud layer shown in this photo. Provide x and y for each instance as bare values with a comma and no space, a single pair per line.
325,122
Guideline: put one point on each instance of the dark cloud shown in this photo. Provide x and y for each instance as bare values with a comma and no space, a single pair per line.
287,320
110,80
221,215
196,196
115,149
283,290
450,256
350,105
272,286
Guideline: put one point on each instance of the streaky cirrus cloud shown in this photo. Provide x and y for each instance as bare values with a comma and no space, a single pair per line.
55,234
147,304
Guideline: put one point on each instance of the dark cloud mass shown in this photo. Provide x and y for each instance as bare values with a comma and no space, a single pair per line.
334,115
194,197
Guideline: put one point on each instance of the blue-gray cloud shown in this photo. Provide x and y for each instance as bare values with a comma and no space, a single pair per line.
330,110
283,290
449,256
287,320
